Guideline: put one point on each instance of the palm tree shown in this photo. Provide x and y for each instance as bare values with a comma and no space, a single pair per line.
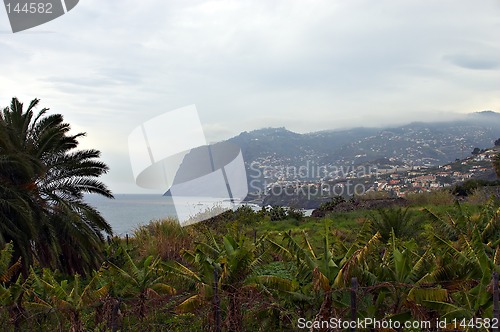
42,181
398,220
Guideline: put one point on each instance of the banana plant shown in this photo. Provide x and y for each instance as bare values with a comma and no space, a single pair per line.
466,274
468,247
399,284
68,298
329,269
229,263
145,280
11,293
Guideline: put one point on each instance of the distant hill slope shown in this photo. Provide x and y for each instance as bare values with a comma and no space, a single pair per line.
415,144
421,143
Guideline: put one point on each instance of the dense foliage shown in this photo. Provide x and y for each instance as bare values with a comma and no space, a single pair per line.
433,259
237,274
496,164
42,181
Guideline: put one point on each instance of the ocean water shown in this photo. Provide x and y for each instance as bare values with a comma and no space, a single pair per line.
127,211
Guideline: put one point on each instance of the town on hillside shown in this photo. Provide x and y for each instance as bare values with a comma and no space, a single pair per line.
310,185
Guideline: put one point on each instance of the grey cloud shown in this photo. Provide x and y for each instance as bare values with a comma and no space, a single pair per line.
307,65
106,77
474,61
89,82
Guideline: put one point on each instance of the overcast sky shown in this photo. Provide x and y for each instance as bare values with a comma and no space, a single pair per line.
108,66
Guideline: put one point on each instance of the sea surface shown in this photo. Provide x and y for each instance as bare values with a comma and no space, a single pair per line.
127,211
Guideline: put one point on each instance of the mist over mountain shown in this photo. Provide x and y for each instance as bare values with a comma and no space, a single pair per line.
269,151
417,143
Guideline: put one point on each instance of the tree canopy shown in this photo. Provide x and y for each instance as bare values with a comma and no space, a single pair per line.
43,178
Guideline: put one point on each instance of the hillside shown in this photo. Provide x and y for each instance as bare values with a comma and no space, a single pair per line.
277,156
268,152
419,143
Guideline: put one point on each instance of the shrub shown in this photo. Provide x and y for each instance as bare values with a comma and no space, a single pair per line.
296,214
328,206
375,195
436,197
468,187
277,213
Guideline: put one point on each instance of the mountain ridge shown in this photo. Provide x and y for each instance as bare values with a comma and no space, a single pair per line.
268,151
426,144
465,118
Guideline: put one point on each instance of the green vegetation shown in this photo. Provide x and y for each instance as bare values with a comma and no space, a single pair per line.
432,198
332,203
239,271
394,223
42,181
496,164
470,186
